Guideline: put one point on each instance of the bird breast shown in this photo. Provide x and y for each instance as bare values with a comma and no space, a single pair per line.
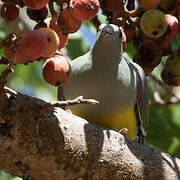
111,87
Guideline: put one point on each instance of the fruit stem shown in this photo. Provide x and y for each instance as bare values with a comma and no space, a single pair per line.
60,4
160,83
51,8
9,41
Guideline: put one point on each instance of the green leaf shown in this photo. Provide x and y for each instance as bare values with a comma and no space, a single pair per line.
130,49
76,46
175,144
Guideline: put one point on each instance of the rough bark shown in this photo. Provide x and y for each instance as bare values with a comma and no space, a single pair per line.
56,145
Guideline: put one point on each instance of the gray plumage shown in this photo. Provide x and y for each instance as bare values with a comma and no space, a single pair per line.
106,74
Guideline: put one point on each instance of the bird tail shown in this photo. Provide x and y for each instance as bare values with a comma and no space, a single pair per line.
141,131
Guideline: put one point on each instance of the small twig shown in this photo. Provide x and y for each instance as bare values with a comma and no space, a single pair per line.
160,83
78,100
3,79
158,101
9,40
158,98
4,75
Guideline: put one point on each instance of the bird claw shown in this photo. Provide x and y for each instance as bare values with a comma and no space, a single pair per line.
69,111
124,132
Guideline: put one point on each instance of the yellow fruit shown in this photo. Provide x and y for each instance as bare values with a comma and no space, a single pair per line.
153,23
53,41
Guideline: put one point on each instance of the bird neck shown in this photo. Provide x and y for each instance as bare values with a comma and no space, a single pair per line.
106,53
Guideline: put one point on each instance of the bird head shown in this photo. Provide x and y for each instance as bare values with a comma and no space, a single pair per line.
108,40
109,34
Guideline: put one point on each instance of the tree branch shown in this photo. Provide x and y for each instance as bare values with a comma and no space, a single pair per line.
55,144
167,88
158,100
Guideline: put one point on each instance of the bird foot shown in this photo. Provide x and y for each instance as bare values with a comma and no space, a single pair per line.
69,111
124,132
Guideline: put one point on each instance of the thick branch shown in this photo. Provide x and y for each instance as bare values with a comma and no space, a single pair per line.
56,145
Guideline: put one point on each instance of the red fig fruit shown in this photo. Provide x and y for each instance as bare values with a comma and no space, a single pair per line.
31,44
37,15
56,70
173,27
67,23
84,9
9,11
52,39
148,56
35,4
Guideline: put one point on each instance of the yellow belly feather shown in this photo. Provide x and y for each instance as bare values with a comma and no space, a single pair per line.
117,120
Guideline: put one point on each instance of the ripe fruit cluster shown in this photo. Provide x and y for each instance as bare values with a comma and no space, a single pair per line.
151,27
160,25
51,33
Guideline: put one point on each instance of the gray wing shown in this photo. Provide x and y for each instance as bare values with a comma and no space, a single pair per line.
141,106
142,97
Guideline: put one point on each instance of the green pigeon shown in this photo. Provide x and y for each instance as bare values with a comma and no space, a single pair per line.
107,75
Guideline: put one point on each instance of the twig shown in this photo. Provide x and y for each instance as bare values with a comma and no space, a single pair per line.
4,75
78,100
3,79
9,40
158,98
158,101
